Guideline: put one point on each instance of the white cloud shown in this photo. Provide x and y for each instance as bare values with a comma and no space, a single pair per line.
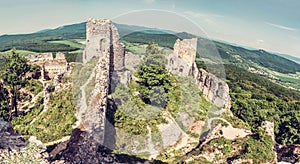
281,26
259,41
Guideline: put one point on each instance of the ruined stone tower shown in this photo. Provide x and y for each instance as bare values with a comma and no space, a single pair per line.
182,62
102,36
102,42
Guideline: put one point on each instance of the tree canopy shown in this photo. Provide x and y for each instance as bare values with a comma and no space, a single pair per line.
13,76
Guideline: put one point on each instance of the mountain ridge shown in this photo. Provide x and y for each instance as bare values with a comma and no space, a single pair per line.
125,28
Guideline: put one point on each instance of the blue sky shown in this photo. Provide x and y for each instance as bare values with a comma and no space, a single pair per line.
273,25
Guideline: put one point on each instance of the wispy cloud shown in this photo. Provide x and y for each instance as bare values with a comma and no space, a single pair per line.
281,26
149,1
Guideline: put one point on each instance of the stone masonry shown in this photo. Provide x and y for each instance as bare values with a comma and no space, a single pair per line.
182,62
99,34
50,66
102,41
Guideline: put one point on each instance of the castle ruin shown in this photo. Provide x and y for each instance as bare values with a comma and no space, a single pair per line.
182,62
103,37
50,66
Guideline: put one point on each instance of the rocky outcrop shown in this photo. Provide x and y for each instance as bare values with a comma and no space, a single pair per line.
288,153
182,62
214,89
83,149
9,139
13,148
269,128
50,66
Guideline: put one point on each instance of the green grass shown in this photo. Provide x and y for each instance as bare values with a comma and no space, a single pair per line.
21,52
136,48
70,43
34,86
289,80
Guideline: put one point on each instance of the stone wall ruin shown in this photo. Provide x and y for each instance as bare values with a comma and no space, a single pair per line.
182,62
50,66
101,33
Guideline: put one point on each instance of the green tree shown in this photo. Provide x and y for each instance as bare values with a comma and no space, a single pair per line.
152,48
153,77
3,101
13,76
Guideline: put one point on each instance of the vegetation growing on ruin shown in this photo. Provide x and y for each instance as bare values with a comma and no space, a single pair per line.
81,71
141,104
52,124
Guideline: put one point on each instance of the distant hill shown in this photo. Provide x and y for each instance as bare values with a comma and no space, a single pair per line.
293,58
41,42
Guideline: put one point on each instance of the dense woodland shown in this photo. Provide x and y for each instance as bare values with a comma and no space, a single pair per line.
255,99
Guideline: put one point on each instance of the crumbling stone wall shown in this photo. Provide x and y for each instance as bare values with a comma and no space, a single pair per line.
99,34
103,42
182,62
94,121
50,66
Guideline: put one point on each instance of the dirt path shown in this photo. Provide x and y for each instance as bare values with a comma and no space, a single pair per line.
66,138
32,102
216,118
173,135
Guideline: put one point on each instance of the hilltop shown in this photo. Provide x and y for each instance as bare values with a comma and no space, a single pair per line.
151,84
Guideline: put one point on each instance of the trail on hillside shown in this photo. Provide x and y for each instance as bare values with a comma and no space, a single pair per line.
173,135
216,118
32,102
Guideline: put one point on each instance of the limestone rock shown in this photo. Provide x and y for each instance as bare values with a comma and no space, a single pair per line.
289,153
83,149
13,146
269,128
214,89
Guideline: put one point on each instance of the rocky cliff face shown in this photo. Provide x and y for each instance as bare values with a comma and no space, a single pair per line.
14,148
182,62
8,138
214,89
